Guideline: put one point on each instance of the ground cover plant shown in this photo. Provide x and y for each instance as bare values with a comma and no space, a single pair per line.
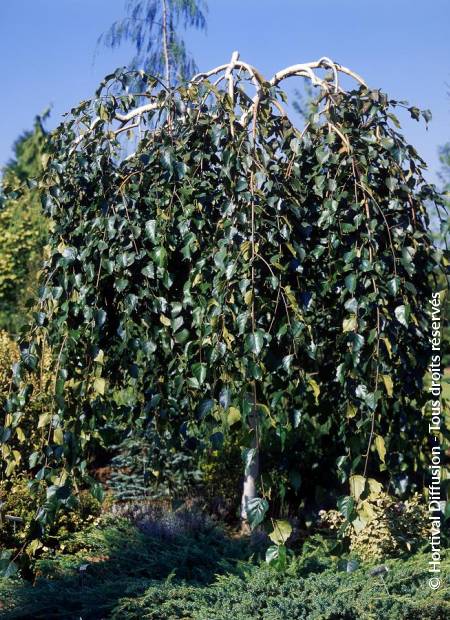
181,567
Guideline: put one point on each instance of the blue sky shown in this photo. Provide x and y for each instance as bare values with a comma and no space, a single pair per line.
47,50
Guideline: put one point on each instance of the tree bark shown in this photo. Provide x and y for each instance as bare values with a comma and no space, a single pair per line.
251,472
165,43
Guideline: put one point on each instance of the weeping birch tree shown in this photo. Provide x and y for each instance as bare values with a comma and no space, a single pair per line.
241,274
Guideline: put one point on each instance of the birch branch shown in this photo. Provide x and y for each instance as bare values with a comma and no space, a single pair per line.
305,70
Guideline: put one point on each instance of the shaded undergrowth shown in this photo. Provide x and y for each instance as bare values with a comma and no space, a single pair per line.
180,566
101,564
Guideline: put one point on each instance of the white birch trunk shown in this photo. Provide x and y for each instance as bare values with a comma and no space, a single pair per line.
251,473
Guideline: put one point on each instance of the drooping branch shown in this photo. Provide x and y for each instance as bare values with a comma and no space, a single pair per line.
232,72
307,70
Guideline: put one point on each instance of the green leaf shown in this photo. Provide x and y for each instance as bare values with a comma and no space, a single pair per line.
181,169
315,389
402,314
393,286
318,251
276,556
20,434
357,486
406,260
241,184
322,155
177,322
387,143
97,491
389,385
369,398
33,460
205,407
182,336
58,436
415,113
295,145
281,531
160,256
8,567
350,324
351,410
381,448
375,488
350,256
350,282
346,506
100,357
165,320
287,361
99,385
44,419
351,305
100,317
148,271
272,554
356,341
254,342
30,361
256,509
167,160
150,228
103,112
248,297
199,372
60,492
391,183
241,322
297,414
233,416
121,284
